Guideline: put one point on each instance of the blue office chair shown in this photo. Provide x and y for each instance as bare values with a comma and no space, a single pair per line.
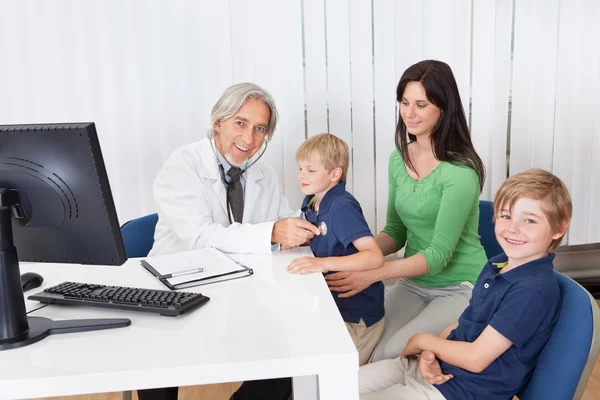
138,235
138,238
568,358
486,229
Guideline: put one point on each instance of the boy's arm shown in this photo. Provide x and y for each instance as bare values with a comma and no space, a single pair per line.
511,324
473,357
446,332
369,256
429,366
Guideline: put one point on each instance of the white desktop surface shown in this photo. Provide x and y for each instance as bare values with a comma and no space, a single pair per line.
272,324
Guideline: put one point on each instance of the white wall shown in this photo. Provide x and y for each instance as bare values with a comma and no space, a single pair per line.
148,72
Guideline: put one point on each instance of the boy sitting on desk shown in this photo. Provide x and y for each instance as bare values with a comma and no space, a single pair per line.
492,350
345,242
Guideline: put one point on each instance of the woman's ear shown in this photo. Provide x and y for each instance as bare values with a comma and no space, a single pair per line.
217,126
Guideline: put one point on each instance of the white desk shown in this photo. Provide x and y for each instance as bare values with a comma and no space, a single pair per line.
269,325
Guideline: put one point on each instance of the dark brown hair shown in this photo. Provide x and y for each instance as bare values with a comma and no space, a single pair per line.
450,137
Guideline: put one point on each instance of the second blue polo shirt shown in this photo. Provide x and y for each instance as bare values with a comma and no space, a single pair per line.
522,305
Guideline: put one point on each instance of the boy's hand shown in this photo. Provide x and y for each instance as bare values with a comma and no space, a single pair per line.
305,265
431,370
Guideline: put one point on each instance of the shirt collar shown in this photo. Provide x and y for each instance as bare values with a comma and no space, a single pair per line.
327,199
543,264
223,161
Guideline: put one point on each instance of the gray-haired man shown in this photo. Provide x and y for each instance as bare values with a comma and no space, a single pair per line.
191,189
216,193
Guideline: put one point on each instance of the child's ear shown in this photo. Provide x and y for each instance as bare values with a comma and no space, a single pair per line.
561,232
336,174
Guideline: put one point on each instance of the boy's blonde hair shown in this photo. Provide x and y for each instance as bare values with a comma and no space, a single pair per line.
539,185
332,151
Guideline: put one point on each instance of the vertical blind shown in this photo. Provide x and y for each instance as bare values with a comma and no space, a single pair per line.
147,72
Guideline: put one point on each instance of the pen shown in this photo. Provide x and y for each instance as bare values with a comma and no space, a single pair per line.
186,272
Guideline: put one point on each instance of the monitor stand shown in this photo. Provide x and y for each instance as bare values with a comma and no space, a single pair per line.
16,329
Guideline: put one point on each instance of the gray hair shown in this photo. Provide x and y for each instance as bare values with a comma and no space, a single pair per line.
234,98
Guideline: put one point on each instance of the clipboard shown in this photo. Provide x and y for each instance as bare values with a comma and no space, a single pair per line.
216,267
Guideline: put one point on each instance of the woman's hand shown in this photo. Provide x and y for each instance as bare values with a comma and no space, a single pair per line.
349,283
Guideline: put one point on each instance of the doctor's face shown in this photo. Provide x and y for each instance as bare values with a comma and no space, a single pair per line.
238,138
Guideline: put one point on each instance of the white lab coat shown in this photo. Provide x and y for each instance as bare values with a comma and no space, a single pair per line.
192,211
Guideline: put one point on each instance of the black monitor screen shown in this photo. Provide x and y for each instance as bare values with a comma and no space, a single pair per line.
66,212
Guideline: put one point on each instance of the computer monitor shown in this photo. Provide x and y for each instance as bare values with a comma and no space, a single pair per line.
55,206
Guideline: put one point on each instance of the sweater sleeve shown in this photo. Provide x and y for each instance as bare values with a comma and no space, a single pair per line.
393,223
460,190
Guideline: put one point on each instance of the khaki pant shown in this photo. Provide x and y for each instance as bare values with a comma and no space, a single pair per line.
397,379
365,338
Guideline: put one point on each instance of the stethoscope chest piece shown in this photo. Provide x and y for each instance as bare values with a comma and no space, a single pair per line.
322,228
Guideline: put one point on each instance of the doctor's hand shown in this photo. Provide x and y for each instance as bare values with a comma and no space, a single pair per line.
431,370
292,232
306,265
349,283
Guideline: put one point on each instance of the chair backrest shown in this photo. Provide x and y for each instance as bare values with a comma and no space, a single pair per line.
138,235
566,362
486,229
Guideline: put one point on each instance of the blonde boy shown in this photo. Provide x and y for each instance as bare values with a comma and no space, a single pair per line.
345,242
493,348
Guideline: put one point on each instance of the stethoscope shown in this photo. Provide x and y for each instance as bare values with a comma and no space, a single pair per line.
235,178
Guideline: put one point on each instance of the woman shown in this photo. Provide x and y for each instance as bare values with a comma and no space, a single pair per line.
435,177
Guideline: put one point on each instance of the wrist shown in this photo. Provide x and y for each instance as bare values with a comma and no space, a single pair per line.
327,264
379,274
274,236
425,342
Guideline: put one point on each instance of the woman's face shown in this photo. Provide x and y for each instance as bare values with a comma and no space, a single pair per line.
417,112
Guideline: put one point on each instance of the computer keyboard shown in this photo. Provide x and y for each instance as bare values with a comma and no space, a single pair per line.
164,302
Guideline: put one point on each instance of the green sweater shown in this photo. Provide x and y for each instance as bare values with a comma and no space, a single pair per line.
437,217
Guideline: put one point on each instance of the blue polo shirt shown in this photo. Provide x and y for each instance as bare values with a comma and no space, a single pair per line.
521,304
345,223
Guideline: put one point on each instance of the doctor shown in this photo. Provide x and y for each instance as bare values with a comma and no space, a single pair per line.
215,192
195,190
